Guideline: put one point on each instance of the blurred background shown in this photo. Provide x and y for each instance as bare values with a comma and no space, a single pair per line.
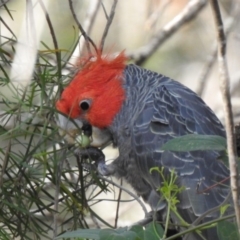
43,190
183,56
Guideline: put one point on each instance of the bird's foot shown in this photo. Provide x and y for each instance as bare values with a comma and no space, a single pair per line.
88,167
95,155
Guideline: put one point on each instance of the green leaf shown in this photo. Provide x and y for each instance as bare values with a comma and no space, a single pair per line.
138,230
102,234
118,234
153,231
227,231
195,142
224,208
83,233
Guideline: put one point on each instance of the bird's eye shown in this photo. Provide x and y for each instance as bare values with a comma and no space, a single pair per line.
85,104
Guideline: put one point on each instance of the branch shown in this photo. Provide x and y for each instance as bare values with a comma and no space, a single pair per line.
200,226
143,222
109,22
57,193
3,3
127,191
118,205
8,28
93,8
85,35
215,209
188,13
202,82
54,38
224,87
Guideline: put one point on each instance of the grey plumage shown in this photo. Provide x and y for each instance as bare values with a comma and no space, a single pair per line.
156,110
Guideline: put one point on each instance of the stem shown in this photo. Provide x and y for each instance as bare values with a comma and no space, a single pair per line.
224,87
200,226
167,218
109,22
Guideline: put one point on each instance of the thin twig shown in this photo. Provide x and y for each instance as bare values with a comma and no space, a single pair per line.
201,226
104,10
94,219
85,35
118,205
89,20
205,190
56,196
55,43
225,90
127,191
189,12
3,3
8,28
81,181
109,22
200,218
202,82
6,160
143,222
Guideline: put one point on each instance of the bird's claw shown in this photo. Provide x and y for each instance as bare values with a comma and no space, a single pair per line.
96,155
88,167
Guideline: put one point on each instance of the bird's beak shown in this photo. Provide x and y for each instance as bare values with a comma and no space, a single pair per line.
70,129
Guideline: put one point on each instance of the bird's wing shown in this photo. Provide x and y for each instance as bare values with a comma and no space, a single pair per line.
173,110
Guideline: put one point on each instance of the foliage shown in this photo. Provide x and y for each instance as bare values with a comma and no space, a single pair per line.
152,231
195,142
43,187
169,191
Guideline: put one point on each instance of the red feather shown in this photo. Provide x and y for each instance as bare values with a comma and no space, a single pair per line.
100,81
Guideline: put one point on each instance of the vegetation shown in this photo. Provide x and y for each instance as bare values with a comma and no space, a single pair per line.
45,192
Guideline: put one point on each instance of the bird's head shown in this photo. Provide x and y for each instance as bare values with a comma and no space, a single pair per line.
95,95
